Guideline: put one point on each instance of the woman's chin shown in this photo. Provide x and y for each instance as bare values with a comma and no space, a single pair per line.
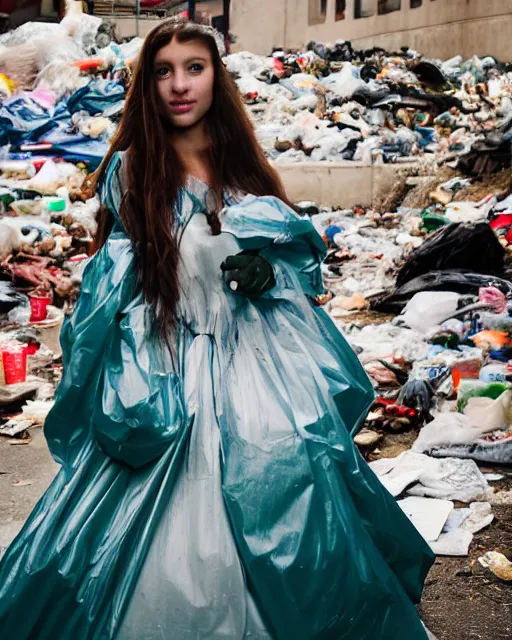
184,121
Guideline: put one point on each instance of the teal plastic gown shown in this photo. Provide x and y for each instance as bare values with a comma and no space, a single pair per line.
211,490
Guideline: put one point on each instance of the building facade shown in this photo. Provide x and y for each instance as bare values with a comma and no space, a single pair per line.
437,28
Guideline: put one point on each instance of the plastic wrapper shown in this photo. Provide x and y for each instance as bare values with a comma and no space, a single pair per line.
494,297
83,29
447,479
483,416
93,127
469,211
365,150
127,50
31,32
479,389
447,428
249,85
36,410
84,213
493,321
332,144
292,155
75,33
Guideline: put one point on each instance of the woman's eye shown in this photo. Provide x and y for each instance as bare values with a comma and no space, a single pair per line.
162,72
196,67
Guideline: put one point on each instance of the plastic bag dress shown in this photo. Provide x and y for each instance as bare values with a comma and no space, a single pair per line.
212,490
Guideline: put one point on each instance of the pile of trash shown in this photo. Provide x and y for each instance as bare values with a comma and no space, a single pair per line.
424,296
447,334
62,91
334,103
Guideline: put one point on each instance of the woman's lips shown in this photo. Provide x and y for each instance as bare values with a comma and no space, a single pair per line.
181,107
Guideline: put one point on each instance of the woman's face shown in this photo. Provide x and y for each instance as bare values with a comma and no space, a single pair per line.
184,79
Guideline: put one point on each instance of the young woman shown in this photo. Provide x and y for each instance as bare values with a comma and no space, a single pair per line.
209,486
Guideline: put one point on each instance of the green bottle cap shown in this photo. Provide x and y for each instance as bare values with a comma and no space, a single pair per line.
57,205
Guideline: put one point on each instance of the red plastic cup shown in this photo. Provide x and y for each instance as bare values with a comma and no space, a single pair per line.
31,349
14,360
39,308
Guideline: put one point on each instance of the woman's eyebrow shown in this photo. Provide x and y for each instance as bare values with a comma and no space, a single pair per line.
187,61
195,59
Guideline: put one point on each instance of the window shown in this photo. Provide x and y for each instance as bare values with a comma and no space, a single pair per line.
388,6
363,8
317,11
340,9
416,3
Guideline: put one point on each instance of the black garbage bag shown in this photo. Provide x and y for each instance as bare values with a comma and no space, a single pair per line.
429,73
463,282
473,247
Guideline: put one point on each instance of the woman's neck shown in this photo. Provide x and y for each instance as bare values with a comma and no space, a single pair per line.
193,148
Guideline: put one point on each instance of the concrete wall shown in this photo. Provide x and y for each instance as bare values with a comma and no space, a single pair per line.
341,184
127,27
258,26
439,28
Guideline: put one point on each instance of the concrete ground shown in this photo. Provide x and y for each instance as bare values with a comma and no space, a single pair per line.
26,470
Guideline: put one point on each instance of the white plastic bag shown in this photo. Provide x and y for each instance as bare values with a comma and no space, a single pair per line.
345,82
428,309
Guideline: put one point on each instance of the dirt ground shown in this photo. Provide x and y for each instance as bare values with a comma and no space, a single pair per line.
462,600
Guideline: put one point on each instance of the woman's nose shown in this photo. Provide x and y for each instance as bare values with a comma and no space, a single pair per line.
180,82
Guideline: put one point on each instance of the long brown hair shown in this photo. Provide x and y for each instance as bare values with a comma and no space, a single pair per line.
154,173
